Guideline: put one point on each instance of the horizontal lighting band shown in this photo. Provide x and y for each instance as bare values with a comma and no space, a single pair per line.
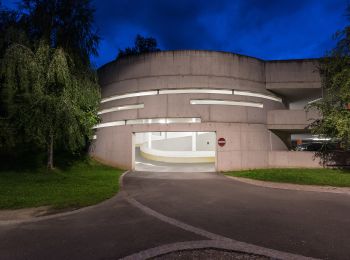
254,94
120,108
129,95
177,120
192,91
225,103
196,91
114,123
313,101
163,121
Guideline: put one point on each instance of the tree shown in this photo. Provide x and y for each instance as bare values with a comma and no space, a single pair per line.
66,24
335,103
141,45
48,89
45,101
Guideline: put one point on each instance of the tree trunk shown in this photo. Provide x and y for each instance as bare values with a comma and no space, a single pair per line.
50,153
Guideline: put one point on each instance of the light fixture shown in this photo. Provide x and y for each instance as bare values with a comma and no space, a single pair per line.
114,123
120,108
195,91
225,103
129,95
177,120
315,100
254,94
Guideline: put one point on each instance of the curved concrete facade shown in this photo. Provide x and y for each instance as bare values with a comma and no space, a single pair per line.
229,94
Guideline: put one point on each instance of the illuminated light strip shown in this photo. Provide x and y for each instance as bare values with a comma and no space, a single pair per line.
313,101
114,123
129,95
254,94
113,109
225,102
163,121
191,91
175,120
196,91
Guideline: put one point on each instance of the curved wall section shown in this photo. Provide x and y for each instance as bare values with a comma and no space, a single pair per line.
225,93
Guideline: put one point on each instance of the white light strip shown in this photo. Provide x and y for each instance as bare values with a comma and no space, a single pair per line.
196,91
225,102
253,94
176,120
113,109
163,121
129,95
313,101
114,123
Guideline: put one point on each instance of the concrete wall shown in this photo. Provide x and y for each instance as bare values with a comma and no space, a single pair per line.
248,139
292,74
291,119
293,159
185,143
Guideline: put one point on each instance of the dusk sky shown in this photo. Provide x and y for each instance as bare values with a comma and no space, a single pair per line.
267,29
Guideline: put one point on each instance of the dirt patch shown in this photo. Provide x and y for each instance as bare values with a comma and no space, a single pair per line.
209,253
23,214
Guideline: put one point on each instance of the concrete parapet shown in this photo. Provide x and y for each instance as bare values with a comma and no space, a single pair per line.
290,119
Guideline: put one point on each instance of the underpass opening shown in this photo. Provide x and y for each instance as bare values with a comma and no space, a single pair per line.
174,151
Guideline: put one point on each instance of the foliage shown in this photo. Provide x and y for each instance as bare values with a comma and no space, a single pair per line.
83,183
142,45
329,177
335,104
63,24
44,101
48,88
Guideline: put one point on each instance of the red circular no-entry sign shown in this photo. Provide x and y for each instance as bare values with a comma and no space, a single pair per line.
221,141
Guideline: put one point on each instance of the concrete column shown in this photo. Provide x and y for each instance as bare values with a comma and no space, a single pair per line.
149,140
194,141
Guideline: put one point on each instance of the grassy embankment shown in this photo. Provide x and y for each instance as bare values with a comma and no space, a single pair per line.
83,183
330,177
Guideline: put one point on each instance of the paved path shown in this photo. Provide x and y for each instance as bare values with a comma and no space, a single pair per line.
166,211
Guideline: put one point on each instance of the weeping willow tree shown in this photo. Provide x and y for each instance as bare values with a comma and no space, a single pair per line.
46,104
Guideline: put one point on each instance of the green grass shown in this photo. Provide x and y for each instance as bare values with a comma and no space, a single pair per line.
83,183
331,177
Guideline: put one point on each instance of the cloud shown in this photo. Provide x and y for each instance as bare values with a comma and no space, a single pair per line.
267,29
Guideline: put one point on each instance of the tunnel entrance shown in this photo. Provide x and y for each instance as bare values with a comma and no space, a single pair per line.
174,151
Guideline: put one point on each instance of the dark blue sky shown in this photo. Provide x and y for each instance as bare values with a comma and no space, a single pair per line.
267,29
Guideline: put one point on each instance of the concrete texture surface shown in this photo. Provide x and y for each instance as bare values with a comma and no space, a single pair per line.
164,212
246,129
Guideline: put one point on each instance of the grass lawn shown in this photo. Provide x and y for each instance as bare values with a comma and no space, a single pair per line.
331,177
84,183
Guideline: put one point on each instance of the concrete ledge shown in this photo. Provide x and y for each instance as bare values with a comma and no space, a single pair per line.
235,246
177,156
177,159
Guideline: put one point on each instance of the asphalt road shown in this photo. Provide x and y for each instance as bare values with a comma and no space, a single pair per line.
306,223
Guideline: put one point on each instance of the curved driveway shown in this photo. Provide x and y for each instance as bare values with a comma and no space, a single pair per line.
305,223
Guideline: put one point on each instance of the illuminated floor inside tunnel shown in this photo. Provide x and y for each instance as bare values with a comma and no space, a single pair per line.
143,164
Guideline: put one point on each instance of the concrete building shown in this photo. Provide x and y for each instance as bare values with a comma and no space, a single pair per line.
252,106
